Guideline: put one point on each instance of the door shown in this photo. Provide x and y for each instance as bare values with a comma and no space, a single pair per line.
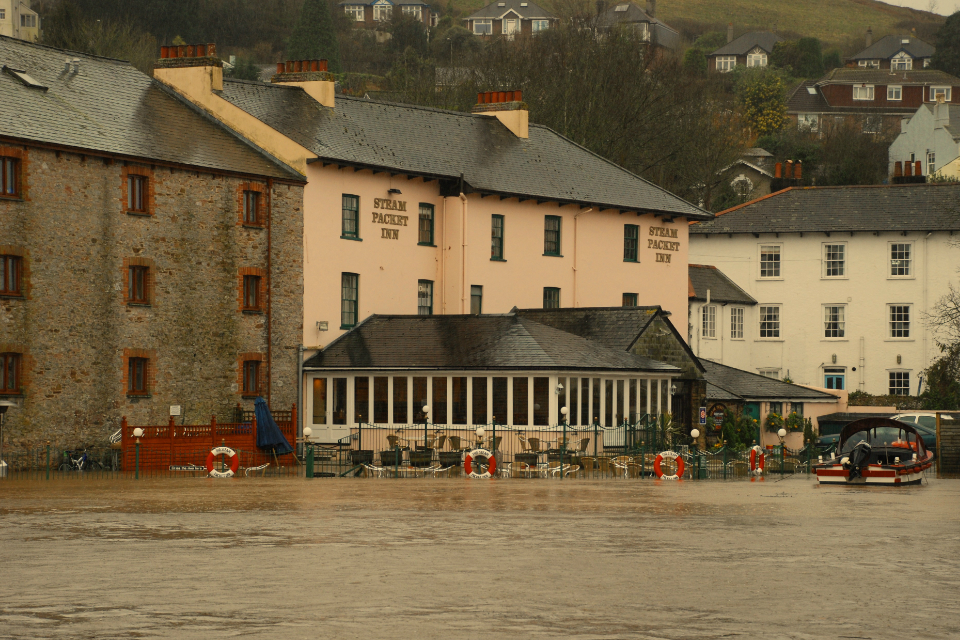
510,26
752,410
323,398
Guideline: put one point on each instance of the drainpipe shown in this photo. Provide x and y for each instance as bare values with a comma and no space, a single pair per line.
463,252
300,411
926,283
269,290
443,260
575,219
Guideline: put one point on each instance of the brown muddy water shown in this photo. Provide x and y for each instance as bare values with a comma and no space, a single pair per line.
324,558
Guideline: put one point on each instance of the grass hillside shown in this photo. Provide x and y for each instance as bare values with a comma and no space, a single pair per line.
836,22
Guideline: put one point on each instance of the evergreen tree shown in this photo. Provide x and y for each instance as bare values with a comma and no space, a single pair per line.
947,56
315,37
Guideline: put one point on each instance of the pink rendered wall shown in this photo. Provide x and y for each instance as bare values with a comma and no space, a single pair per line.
390,268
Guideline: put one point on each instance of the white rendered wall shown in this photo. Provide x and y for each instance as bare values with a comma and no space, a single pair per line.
920,135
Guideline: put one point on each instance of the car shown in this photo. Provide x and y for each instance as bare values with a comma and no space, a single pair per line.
926,425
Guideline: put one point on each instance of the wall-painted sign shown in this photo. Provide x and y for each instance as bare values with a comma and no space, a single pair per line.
390,218
663,245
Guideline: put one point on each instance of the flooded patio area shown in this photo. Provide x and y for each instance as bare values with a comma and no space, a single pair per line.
347,558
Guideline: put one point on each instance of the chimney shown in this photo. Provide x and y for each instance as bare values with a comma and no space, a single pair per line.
506,106
907,169
310,75
729,32
898,169
778,172
798,170
190,68
869,38
652,8
789,172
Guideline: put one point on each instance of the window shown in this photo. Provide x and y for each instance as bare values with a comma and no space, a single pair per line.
901,62
899,383
424,297
137,369
833,378
808,122
777,408
351,218
770,373
540,25
251,207
138,282
769,261
9,177
630,299
726,63
251,377
736,323
476,299
9,373
551,298
757,59
833,322
863,92
426,225
899,321
631,238
355,11
137,193
770,322
870,64
28,20
3,14
496,238
509,26
937,92
382,12
834,260
349,289
894,92
415,11
709,317
551,236
483,27
871,124
900,259
931,163
251,293
11,275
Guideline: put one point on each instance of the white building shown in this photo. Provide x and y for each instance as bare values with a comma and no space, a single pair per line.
931,135
17,20
842,276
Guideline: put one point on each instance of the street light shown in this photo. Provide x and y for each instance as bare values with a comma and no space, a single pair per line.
307,432
782,433
696,458
137,433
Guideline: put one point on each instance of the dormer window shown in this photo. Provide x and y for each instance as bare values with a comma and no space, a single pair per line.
382,11
905,41
756,58
355,11
621,7
901,62
870,64
863,92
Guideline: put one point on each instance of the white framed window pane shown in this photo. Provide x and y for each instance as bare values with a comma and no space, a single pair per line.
736,323
900,259
710,321
726,63
899,383
834,260
354,11
863,93
899,321
483,27
770,322
770,261
833,322
894,92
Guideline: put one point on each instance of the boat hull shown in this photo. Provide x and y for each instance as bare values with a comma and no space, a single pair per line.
874,475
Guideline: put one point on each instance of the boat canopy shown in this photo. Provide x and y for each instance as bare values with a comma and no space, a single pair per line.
882,432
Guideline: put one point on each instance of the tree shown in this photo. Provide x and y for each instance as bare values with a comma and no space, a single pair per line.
802,58
245,69
832,60
762,96
315,36
947,56
695,62
710,41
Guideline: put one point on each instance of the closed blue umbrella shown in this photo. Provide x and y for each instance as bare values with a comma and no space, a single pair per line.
269,436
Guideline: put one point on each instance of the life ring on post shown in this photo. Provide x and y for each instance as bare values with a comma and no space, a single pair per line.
659,460
757,460
212,458
468,462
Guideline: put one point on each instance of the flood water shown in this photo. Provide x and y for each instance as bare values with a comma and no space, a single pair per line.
432,558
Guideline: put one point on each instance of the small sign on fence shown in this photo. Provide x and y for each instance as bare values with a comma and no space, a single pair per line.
174,409
703,415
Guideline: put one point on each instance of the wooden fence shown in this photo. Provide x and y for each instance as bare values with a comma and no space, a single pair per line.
948,448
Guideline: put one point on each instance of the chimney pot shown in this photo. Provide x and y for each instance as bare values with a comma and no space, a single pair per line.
323,65
897,169
518,96
289,65
918,169
908,169
314,65
297,66
869,40
778,171
652,8
281,67
797,170
789,172
164,52
201,51
191,51
502,96
182,51
480,98
211,49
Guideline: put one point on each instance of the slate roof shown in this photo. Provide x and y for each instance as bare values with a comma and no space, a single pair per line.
847,75
111,107
663,34
528,12
745,44
447,144
468,342
757,152
909,207
722,288
802,101
727,381
614,327
889,46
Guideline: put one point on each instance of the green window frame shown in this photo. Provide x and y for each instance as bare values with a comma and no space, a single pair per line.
351,217
551,297
349,299
551,236
631,240
496,237
630,300
425,228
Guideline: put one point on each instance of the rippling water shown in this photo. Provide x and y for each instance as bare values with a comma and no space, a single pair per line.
324,558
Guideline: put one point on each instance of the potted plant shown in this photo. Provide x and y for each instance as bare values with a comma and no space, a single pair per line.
773,423
793,422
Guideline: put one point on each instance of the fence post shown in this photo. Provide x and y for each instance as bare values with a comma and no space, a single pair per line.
213,431
724,461
309,471
563,448
808,457
782,445
594,438
136,473
643,458
48,459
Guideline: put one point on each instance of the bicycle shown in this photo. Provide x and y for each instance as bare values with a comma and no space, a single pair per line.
82,463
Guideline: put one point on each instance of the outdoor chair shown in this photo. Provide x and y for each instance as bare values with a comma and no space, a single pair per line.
496,443
437,471
588,464
634,470
440,442
373,470
550,467
568,469
738,469
393,441
714,467
524,446
535,445
621,462
455,443
582,445
604,465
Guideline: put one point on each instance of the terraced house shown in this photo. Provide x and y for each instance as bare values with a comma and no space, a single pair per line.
149,257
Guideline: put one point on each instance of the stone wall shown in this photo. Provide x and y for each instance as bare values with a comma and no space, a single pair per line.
75,329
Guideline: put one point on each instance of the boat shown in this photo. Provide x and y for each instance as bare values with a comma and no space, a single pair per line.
877,451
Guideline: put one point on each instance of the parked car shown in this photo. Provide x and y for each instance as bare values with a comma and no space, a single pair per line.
926,424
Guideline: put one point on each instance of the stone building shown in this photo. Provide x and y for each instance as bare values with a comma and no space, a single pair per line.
150,257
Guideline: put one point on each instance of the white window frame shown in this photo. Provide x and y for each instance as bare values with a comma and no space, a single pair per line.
758,59
510,27
769,372
355,11
808,122
863,92
826,260
931,163
3,14
896,262
760,252
414,10
834,321
894,92
382,12
946,91
896,324
870,64
28,21
537,26
486,22
736,323
901,62
726,64
905,373
772,314
708,324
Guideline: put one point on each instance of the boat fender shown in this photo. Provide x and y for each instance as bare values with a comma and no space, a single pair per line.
212,457
659,460
757,460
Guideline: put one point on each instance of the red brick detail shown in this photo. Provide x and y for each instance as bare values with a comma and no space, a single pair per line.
251,271
136,170
244,357
151,356
23,155
262,190
125,278
13,250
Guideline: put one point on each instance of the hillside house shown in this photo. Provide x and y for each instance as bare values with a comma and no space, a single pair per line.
644,23
373,13
896,53
749,50
509,18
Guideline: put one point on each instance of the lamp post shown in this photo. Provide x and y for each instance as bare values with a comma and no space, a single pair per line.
782,433
137,433
696,458
563,448
480,434
426,419
307,432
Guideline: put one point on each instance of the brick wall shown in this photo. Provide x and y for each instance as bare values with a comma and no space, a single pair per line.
77,331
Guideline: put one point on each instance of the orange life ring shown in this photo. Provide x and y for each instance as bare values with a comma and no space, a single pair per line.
668,454
212,458
468,464
757,462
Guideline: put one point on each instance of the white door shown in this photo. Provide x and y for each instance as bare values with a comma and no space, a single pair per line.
320,408
511,26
